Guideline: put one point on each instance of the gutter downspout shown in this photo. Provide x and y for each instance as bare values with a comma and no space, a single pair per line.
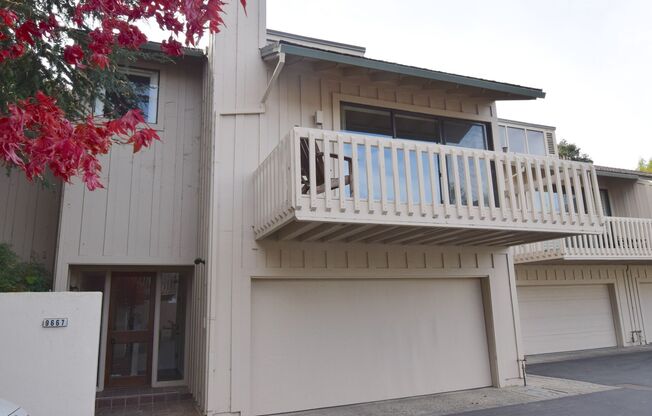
277,71
261,108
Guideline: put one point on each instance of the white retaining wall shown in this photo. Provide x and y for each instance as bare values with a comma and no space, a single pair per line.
50,371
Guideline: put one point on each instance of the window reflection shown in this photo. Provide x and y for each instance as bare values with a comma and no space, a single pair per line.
417,128
172,319
464,134
516,140
396,124
536,143
368,120
132,304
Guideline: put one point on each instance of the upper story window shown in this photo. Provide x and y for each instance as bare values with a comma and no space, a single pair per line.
412,126
145,84
522,140
606,204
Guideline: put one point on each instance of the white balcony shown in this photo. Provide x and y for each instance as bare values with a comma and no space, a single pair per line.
623,239
413,192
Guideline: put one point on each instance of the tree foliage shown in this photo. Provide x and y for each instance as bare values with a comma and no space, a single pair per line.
645,165
571,151
58,56
20,276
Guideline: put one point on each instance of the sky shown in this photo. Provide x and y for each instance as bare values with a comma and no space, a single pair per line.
592,58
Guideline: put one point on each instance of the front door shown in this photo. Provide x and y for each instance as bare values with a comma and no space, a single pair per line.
130,332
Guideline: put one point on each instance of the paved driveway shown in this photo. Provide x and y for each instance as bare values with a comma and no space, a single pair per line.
632,372
613,370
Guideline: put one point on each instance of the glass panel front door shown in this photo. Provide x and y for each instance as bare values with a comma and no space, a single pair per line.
131,316
172,322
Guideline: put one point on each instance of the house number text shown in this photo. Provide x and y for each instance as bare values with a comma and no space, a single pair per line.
55,322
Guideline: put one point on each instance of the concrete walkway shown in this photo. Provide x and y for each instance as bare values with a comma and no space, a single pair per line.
539,388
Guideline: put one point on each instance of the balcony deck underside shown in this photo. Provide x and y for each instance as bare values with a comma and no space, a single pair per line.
435,235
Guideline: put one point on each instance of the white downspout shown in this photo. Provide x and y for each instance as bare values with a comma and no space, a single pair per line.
260,109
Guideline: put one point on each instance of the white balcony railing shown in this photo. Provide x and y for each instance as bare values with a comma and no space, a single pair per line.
623,238
377,180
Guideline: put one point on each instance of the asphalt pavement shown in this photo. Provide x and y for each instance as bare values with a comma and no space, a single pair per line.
631,372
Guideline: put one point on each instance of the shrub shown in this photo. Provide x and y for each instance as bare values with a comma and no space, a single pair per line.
20,276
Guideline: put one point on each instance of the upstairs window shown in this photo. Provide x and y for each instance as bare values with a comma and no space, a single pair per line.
145,86
606,205
423,127
413,126
521,140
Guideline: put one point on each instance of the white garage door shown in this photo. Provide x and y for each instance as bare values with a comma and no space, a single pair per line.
645,290
319,343
565,318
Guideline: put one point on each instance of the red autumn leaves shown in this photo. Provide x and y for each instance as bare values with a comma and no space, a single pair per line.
24,34
36,135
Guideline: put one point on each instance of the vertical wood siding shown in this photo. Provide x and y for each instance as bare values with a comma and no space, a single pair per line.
300,92
29,216
197,334
147,212
628,198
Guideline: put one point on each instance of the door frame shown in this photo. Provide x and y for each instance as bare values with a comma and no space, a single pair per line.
186,272
149,332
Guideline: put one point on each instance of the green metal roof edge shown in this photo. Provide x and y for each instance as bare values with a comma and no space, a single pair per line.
621,173
379,65
187,51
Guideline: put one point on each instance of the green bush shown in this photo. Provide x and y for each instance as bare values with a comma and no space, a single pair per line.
20,276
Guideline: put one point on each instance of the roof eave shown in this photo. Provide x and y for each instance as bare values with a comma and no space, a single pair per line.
518,92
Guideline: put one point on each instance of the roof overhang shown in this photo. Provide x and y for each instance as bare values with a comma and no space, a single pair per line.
619,173
493,89
187,52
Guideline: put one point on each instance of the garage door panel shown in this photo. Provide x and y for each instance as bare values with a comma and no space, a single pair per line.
324,343
645,293
566,318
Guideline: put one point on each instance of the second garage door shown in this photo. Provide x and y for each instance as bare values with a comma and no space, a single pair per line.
319,343
645,290
566,318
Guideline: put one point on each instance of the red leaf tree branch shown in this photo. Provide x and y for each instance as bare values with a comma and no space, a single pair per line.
35,132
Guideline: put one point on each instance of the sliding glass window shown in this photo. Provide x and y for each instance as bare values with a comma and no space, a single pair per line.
420,127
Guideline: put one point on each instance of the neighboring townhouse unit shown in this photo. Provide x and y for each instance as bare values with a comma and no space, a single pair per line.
592,291
315,229
136,239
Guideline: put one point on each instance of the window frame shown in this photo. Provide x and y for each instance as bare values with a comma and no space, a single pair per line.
440,122
155,80
505,128
609,206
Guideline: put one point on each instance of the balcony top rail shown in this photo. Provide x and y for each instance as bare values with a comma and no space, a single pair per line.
347,177
622,238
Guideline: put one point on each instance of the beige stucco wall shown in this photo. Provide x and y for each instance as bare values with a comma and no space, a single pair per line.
625,281
50,371
29,215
